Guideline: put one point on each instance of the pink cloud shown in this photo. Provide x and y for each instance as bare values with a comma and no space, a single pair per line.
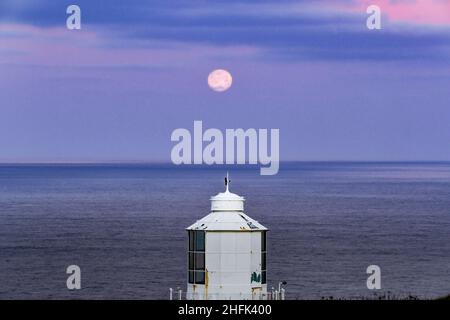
435,12
25,44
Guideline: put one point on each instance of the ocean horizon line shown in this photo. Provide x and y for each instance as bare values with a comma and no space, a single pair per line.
142,162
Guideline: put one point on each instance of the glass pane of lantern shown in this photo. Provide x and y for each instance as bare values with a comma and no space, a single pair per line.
263,241
199,261
263,261
199,277
191,240
200,241
191,261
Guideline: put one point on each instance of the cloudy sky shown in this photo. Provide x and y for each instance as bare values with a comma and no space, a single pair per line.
116,89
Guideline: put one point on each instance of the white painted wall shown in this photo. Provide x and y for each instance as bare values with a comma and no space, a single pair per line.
230,259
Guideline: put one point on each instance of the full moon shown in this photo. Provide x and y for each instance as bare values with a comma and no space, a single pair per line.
220,80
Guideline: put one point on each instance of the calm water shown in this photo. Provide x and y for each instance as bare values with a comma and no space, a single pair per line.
124,226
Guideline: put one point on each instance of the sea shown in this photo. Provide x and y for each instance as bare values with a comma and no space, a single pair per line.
124,226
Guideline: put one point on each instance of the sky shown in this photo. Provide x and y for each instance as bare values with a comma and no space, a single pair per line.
137,70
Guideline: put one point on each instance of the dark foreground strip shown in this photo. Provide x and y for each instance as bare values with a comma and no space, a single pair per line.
126,309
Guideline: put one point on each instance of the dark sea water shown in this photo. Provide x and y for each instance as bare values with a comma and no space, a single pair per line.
124,226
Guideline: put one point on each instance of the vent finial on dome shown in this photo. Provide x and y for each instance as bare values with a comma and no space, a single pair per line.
227,182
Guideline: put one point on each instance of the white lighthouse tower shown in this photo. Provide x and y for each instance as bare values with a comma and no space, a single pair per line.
227,252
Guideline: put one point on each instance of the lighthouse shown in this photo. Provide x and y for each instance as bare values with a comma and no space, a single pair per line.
227,252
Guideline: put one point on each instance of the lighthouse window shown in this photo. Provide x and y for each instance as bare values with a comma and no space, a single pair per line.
199,240
263,241
200,277
191,261
196,257
191,240
199,261
196,240
263,257
263,261
263,267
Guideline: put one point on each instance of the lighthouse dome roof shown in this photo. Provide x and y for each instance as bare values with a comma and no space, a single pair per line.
226,196
227,213
227,221
227,201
